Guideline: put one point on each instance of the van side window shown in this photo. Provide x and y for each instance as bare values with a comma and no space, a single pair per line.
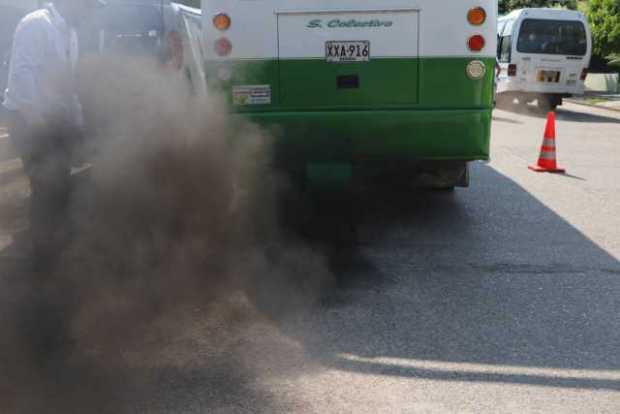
504,45
505,49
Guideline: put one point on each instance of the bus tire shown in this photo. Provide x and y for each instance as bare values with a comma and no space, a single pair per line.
445,176
465,178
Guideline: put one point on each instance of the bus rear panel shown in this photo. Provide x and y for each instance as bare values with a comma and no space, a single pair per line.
358,79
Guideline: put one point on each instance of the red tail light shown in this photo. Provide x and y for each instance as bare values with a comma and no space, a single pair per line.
175,50
476,43
512,70
584,74
223,46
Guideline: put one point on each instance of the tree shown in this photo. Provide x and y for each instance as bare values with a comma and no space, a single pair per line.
505,6
604,17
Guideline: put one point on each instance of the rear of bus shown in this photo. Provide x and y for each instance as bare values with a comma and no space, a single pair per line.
544,55
356,82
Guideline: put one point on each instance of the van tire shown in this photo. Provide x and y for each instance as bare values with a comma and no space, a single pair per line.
548,103
504,100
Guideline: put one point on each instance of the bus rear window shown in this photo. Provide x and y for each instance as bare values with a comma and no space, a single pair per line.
553,37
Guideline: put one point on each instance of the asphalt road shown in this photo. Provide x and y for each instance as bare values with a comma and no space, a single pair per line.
504,297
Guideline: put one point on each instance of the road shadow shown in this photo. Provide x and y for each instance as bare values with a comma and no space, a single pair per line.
574,177
562,114
481,285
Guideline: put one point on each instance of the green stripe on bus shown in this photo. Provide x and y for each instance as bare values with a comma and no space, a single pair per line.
336,136
441,114
424,83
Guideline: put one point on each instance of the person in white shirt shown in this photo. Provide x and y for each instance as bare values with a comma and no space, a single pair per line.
45,116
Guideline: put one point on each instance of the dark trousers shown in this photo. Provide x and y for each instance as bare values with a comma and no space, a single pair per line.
45,154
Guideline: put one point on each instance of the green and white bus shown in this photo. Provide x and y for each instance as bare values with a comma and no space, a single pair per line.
401,84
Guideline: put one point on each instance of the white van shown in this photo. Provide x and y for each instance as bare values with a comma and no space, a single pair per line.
544,55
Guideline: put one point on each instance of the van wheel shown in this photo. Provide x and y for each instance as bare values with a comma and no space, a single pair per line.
549,103
504,101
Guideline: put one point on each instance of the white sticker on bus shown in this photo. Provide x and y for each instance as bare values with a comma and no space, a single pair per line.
252,95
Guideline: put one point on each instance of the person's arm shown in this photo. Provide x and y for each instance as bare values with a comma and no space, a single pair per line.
78,112
26,59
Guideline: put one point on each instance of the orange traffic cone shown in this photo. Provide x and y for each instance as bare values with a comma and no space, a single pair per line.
547,162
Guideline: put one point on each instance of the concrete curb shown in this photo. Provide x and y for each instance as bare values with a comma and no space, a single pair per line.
577,102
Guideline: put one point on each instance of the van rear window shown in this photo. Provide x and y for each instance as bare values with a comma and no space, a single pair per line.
553,37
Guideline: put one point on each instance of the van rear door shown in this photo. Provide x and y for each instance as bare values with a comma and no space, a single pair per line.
555,51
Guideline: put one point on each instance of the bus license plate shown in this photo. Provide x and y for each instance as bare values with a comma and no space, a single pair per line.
347,51
552,76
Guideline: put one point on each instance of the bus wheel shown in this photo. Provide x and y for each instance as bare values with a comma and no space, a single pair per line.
464,180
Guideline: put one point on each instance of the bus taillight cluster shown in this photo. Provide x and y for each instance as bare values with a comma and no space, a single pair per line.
476,17
223,46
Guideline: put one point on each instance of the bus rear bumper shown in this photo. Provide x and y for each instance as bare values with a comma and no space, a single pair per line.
382,135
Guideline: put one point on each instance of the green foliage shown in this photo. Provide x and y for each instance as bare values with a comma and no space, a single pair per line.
604,17
505,6
614,60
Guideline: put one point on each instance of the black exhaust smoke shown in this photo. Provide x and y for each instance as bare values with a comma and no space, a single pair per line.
176,225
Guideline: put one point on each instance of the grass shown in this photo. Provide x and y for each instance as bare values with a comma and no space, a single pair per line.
595,101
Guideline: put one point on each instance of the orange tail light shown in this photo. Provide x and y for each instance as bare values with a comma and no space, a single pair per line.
222,22
477,16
